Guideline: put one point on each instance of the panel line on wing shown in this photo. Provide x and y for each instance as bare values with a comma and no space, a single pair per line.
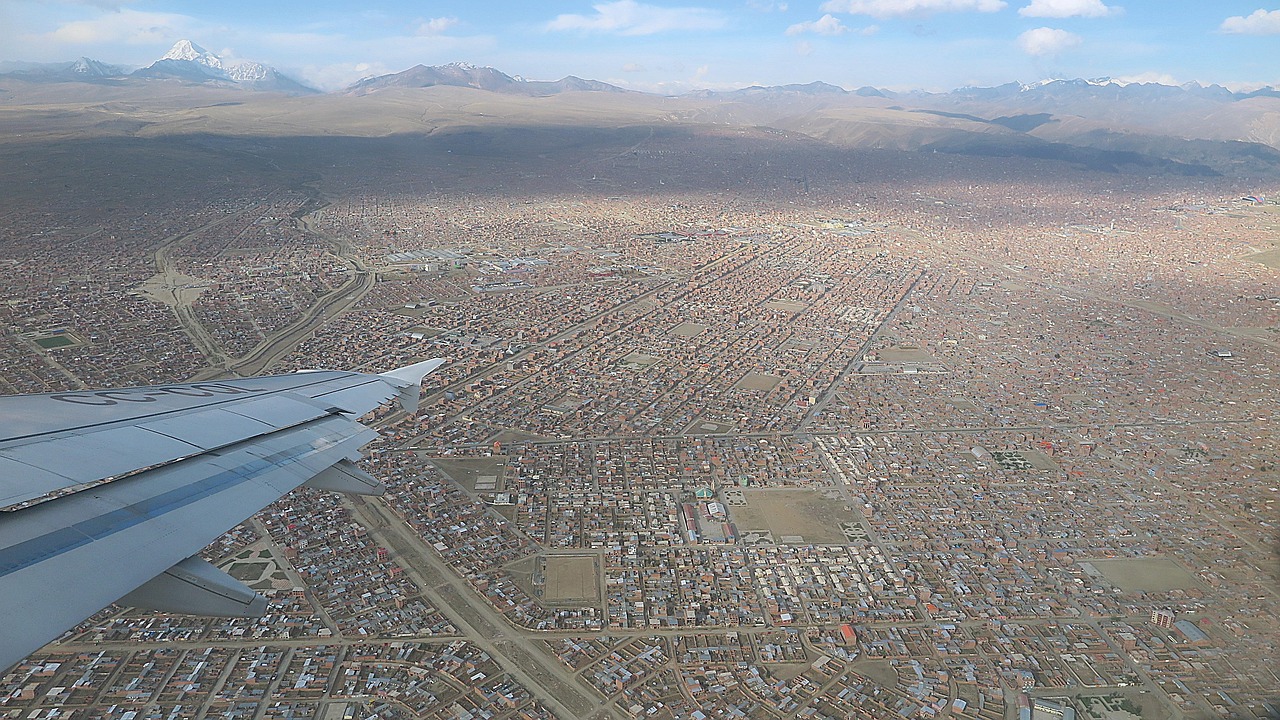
124,452
229,401
29,552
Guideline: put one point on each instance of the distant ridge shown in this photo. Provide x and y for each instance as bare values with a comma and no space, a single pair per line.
189,62
480,78
815,88
82,70
1103,124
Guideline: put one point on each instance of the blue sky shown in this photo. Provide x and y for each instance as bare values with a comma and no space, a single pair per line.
677,45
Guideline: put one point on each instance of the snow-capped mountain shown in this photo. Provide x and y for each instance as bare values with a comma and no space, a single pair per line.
248,71
189,62
187,51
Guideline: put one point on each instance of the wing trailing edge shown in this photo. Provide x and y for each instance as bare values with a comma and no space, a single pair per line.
195,587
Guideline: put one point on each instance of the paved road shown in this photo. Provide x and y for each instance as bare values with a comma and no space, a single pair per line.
181,305
282,342
544,675
569,332
853,363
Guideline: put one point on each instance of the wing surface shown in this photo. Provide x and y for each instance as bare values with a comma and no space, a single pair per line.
108,494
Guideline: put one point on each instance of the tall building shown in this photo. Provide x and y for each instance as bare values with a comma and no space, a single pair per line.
1162,618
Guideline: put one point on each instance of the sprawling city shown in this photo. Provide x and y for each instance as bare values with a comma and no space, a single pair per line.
733,422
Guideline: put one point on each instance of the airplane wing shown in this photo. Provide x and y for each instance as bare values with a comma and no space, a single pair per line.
110,495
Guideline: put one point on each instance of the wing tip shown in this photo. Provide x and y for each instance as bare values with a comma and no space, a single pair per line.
408,380
413,374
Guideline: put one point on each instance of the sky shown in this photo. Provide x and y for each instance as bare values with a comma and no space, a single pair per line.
673,46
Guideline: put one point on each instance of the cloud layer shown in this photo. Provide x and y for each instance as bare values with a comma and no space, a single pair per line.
126,26
1068,8
1261,22
627,17
890,8
1045,41
658,44
825,25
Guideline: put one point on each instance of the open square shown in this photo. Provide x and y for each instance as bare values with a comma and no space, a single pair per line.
793,513
571,578
758,381
1146,574
688,329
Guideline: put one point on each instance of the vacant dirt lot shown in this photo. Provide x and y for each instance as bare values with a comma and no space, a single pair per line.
1146,574
572,578
758,381
793,512
688,329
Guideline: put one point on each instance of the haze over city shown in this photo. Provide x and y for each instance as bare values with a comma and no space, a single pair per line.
881,359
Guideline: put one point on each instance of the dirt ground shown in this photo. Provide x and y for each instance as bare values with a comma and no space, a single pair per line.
638,360
707,428
758,381
893,355
688,329
880,671
786,306
1145,574
465,471
1270,258
793,512
572,578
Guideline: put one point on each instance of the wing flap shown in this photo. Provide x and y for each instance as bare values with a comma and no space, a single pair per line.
84,459
277,410
345,477
25,482
195,587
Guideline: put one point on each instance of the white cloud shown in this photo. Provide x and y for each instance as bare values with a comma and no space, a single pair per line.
128,26
1149,77
1245,87
102,4
1048,41
436,26
1068,8
339,75
825,25
1261,22
890,8
628,17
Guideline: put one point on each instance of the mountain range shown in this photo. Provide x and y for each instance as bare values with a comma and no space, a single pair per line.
1101,124
187,61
